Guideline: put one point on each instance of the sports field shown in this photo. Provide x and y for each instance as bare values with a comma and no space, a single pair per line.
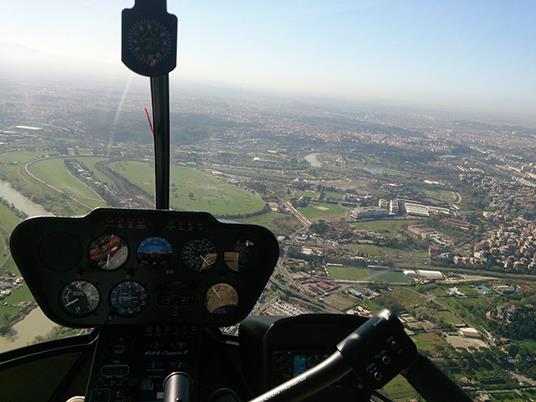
192,189
384,225
323,210
367,275
54,173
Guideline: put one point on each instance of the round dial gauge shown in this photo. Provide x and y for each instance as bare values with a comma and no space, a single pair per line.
199,255
240,255
154,251
128,298
150,42
221,299
80,298
108,252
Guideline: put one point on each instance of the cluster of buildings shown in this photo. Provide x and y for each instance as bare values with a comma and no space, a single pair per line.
384,209
512,248
318,287
8,282
283,308
424,232
387,208
361,293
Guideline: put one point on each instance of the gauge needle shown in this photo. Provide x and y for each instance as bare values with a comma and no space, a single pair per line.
217,294
205,262
72,302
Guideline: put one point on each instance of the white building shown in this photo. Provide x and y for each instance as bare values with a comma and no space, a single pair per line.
469,332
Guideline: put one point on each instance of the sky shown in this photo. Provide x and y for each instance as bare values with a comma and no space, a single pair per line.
474,54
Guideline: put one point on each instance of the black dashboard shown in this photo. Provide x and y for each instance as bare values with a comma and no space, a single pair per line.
116,266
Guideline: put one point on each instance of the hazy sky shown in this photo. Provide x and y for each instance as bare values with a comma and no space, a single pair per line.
469,53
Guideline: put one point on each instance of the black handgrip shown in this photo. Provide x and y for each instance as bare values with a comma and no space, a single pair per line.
431,383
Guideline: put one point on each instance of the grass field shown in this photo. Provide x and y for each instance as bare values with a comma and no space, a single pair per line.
306,193
400,297
340,302
528,346
12,169
384,226
192,189
363,274
389,254
400,390
429,342
331,195
54,173
448,317
279,224
440,195
8,221
322,210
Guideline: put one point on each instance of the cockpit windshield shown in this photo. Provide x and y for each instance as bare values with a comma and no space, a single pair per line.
389,147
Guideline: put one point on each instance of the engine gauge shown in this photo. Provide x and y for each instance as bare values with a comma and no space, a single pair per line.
80,298
108,252
154,251
240,255
199,255
221,299
128,298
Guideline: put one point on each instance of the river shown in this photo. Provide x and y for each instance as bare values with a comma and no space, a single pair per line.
22,203
35,323
313,161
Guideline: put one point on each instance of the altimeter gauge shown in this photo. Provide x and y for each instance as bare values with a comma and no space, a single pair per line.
80,298
199,255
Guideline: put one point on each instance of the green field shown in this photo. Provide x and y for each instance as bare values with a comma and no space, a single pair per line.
448,317
389,254
54,173
528,346
384,226
400,390
331,195
430,342
12,169
279,224
322,210
340,301
8,221
440,195
192,189
308,194
366,275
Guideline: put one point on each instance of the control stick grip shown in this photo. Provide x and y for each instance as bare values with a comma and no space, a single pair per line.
431,383
177,387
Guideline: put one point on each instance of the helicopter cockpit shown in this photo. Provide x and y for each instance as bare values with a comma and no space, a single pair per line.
159,285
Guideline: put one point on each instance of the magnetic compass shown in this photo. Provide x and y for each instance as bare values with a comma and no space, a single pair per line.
149,40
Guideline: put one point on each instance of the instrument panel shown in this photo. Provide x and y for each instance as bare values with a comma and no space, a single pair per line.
118,266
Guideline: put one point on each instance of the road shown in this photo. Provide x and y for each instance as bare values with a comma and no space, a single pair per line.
298,215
